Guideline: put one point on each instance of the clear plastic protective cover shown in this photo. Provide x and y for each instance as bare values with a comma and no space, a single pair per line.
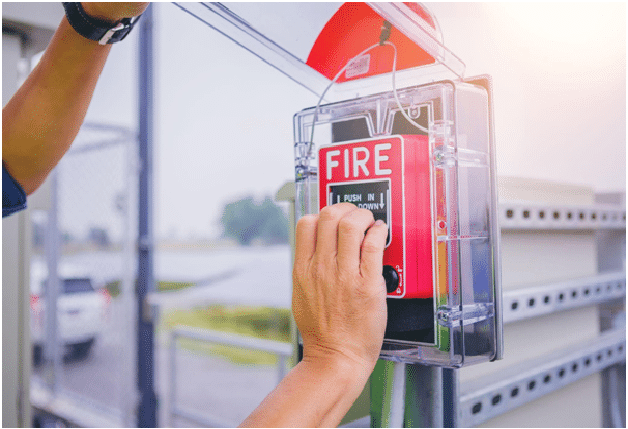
433,182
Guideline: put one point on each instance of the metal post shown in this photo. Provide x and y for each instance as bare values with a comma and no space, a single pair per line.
380,393
450,397
424,396
404,395
397,398
129,400
281,371
173,379
147,413
387,391
52,352
611,255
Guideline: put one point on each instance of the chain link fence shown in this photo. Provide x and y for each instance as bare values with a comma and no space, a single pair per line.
83,269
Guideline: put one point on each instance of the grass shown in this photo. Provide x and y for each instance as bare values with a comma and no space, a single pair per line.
257,322
162,286
232,354
165,286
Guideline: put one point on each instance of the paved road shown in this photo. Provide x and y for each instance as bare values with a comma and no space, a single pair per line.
218,388
205,384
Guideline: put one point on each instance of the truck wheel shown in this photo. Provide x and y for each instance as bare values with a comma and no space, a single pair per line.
82,350
38,355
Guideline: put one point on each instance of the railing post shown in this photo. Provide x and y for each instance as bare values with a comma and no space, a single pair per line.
172,363
281,371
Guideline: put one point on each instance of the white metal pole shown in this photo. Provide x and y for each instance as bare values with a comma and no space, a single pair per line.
51,348
128,319
398,397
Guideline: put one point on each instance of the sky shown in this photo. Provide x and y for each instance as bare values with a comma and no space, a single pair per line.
223,120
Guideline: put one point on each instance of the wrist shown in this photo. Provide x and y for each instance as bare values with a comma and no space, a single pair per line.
94,11
348,355
100,22
348,373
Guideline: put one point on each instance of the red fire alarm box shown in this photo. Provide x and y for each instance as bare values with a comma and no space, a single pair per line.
432,181
370,174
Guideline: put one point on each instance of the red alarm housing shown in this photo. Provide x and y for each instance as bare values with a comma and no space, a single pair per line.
391,177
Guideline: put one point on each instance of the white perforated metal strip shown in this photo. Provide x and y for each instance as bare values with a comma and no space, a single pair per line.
521,215
535,301
491,396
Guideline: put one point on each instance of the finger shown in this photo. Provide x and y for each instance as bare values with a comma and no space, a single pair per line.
351,229
327,233
305,238
372,252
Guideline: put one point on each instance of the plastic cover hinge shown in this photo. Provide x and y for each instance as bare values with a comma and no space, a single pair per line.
469,314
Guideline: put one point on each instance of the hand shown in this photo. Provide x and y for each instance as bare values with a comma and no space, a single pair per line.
339,305
115,11
339,295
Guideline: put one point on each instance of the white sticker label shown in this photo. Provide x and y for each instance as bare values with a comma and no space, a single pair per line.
358,66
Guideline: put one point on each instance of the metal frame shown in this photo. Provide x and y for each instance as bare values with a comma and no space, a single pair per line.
282,350
490,396
535,301
506,390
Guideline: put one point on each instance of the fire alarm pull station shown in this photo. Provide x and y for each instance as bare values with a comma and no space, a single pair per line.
421,159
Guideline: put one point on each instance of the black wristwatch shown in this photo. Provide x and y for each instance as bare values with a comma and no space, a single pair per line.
95,29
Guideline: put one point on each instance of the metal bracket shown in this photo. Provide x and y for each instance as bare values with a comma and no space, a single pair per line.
535,301
491,396
520,215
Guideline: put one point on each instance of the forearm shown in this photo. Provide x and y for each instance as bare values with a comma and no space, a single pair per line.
313,394
42,119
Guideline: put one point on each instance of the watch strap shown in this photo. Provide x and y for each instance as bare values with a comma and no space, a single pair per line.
96,29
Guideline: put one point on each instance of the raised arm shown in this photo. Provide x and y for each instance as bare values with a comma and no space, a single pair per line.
42,119
339,305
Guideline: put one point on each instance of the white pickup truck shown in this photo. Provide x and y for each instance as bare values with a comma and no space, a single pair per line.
81,312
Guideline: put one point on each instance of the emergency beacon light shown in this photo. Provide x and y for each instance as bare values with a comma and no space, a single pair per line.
421,159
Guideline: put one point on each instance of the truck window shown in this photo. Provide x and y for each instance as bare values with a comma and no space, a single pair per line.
77,285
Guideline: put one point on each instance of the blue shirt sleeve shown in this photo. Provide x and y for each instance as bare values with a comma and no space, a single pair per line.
13,196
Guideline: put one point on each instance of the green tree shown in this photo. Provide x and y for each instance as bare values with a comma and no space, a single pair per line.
245,220
275,226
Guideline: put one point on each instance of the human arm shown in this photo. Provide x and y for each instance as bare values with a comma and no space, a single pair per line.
44,116
339,305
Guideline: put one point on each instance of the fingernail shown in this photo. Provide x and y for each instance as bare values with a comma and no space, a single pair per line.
379,222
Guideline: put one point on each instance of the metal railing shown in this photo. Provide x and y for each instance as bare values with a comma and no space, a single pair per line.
281,350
